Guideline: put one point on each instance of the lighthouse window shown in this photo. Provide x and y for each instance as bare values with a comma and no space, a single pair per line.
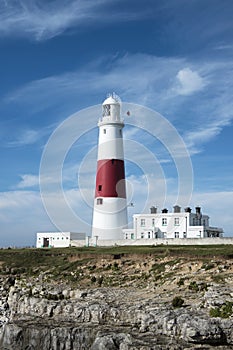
100,188
99,201
106,110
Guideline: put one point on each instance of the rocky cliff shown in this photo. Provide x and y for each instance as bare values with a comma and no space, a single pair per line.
38,313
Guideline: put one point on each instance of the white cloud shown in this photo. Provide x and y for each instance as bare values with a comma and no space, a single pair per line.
43,20
189,82
28,180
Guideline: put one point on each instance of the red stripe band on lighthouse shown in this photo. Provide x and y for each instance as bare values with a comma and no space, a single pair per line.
110,178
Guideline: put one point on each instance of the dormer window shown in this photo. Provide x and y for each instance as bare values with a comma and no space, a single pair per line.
106,110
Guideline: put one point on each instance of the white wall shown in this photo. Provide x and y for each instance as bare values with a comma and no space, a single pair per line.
181,241
57,239
53,239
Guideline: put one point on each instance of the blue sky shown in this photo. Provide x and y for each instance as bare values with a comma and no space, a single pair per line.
60,57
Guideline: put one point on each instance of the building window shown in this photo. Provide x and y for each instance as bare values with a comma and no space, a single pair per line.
203,222
104,131
142,234
148,234
143,222
126,236
120,132
177,235
132,235
164,221
164,234
185,235
176,221
99,201
153,222
100,188
67,237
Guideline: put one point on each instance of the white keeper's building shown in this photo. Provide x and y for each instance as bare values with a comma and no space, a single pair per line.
176,224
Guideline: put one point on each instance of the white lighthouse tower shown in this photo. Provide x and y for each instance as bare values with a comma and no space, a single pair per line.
110,205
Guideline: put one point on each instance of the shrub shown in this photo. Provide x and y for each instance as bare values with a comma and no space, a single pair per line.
225,311
194,286
100,280
115,266
93,279
208,266
180,282
177,301
215,312
203,286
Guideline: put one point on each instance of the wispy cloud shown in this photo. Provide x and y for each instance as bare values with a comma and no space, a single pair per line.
28,136
43,20
197,92
195,139
28,180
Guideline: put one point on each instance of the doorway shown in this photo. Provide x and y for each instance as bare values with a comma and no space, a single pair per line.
46,242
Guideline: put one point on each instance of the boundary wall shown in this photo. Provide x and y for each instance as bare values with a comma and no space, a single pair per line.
93,242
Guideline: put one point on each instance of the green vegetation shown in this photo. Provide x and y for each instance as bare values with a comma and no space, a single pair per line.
219,278
138,265
30,256
208,266
177,301
225,311
198,287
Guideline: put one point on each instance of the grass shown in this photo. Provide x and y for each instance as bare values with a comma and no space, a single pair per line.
82,261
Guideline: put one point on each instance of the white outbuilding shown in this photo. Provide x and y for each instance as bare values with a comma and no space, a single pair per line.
59,239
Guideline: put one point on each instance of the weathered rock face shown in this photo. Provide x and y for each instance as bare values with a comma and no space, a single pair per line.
108,319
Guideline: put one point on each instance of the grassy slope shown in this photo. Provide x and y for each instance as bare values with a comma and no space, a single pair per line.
63,262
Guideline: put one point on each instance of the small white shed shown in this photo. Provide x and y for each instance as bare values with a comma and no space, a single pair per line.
58,239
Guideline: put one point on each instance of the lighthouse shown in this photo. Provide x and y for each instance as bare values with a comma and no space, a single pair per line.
110,204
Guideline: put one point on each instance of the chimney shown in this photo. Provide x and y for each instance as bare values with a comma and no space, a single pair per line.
187,210
176,208
198,210
164,210
153,210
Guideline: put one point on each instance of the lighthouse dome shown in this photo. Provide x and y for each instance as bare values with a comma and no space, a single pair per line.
112,99
111,108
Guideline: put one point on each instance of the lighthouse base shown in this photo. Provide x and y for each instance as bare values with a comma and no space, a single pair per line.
109,218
